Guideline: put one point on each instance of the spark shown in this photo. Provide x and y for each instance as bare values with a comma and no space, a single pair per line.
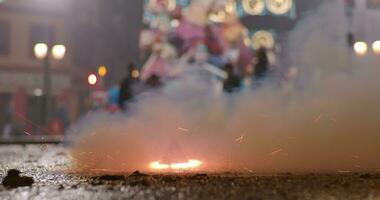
31,123
43,147
183,129
344,171
110,157
318,119
249,170
333,119
355,157
27,133
240,139
275,152
264,115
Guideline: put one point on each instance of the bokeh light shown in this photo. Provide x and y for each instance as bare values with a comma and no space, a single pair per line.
253,7
38,92
59,51
92,79
135,74
279,7
102,71
40,50
360,48
376,47
263,39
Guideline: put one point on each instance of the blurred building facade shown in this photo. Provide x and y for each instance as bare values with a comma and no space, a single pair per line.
23,23
95,32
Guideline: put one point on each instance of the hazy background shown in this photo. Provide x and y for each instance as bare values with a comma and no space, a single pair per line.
326,120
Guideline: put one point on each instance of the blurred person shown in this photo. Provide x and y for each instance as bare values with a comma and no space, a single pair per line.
156,64
261,69
113,98
153,81
247,76
127,86
233,82
350,40
62,110
8,124
62,116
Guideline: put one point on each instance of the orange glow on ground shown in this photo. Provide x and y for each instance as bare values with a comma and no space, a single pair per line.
158,166
190,164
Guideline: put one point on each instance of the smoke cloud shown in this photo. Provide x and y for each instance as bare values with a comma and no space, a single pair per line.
325,120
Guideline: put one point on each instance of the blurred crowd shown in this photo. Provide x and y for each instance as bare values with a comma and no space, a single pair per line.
175,42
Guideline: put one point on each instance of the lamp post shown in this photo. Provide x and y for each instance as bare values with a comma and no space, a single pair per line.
41,52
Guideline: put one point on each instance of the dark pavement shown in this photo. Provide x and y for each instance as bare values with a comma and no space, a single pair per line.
49,166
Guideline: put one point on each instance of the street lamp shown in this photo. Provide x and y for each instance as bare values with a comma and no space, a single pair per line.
376,47
58,51
41,52
92,79
360,48
102,71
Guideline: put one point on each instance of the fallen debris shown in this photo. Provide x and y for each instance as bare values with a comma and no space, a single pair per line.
14,180
138,174
112,178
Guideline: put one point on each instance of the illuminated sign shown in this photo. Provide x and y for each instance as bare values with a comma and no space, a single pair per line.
253,7
279,7
262,39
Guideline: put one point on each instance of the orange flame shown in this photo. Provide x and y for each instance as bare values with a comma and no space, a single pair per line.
190,164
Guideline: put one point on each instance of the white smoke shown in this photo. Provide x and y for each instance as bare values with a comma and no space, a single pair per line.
328,122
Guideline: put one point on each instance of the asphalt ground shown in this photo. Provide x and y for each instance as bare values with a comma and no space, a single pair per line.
49,166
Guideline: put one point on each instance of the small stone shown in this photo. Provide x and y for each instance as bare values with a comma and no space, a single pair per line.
137,173
61,187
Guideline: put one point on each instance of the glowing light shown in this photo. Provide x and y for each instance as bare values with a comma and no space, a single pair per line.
102,71
135,74
253,7
38,92
263,39
40,50
92,79
279,7
187,165
158,166
240,139
230,7
174,23
58,51
376,47
172,4
276,152
360,48
190,164
218,16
